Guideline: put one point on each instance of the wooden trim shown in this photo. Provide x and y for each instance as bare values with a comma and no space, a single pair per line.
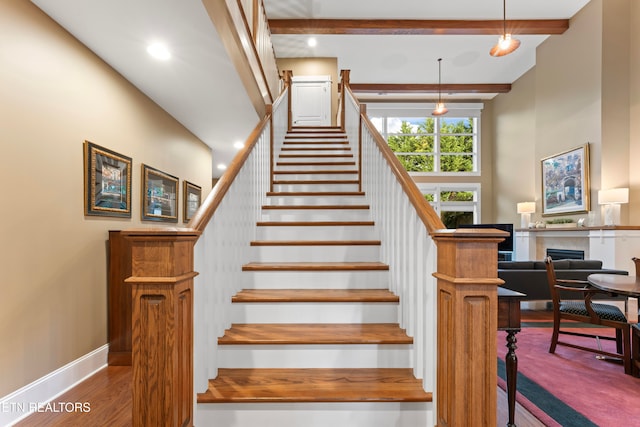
315,243
230,21
431,88
416,26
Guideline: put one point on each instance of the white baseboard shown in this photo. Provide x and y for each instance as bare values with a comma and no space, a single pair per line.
21,403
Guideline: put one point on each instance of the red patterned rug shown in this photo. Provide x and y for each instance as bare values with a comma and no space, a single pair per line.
598,390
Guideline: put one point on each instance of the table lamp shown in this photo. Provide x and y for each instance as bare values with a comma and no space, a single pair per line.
611,200
525,209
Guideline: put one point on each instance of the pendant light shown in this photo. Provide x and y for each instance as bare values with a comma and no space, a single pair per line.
506,44
440,108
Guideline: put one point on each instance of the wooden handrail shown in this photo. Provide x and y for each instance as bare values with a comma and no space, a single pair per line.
424,210
214,198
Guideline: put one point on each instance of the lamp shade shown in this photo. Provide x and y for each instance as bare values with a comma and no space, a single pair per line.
613,196
526,207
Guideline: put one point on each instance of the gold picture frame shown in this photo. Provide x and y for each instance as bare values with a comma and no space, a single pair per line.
191,200
107,182
565,182
160,195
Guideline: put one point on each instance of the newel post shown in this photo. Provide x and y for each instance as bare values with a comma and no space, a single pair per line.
162,322
467,326
287,76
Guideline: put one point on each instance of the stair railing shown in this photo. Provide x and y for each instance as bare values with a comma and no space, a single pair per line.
446,280
227,221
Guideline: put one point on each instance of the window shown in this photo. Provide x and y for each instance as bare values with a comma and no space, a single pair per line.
455,203
431,145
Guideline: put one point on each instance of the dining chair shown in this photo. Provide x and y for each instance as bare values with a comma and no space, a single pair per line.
635,349
580,308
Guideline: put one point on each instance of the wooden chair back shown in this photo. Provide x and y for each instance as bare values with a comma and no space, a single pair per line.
637,263
552,281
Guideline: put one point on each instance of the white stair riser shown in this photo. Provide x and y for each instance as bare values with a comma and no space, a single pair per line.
316,215
287,166
288,312
319,138
314,356
315,176
353,253
315,279
300,150
296,146
360,414
316,187
281,232
315,200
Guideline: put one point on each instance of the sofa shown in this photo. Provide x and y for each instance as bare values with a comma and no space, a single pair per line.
530,277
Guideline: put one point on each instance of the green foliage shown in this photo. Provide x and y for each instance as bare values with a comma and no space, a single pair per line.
456,145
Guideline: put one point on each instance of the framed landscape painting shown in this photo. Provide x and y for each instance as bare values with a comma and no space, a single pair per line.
565,182
107,182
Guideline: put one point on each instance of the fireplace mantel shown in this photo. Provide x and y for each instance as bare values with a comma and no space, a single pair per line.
613,245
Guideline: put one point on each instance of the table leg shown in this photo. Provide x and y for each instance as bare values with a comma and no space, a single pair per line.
511,362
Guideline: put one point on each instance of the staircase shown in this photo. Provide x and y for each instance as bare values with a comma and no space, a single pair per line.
315,339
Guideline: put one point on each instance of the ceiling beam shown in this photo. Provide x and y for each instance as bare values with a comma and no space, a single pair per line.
430,88
415,27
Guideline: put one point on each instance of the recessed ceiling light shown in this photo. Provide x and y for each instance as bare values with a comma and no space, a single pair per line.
312,42
159,51
239,145
222,166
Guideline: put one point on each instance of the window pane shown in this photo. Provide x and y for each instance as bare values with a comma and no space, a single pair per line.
377,122
455,219
456,143
456,125
456,163
416,162
456,196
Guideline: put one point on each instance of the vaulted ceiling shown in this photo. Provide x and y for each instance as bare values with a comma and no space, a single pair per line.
384,43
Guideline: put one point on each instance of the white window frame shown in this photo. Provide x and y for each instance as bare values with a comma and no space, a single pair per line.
399,110
439,206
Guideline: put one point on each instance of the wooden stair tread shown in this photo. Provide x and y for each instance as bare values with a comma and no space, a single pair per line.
315,385
315,295
314,266
314,333
315,243
316,149
323,181
319,207
314,223
315,172
315,163
314,156
315,193
345,142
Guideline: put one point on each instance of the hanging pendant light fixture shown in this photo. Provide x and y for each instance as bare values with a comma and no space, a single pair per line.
506,44
440,108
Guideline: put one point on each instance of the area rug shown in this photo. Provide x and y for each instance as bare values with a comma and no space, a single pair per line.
572,386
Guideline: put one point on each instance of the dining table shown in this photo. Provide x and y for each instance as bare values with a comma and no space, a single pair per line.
617,283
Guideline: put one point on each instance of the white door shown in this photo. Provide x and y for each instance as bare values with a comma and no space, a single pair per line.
311,101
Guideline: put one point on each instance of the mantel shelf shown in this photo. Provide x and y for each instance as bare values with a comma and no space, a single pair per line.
603,227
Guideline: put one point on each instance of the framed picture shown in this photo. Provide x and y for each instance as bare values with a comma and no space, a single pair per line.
107,182
565,182
191,198
160,195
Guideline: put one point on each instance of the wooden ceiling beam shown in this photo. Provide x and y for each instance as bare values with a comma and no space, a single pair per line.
416,27
430,88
